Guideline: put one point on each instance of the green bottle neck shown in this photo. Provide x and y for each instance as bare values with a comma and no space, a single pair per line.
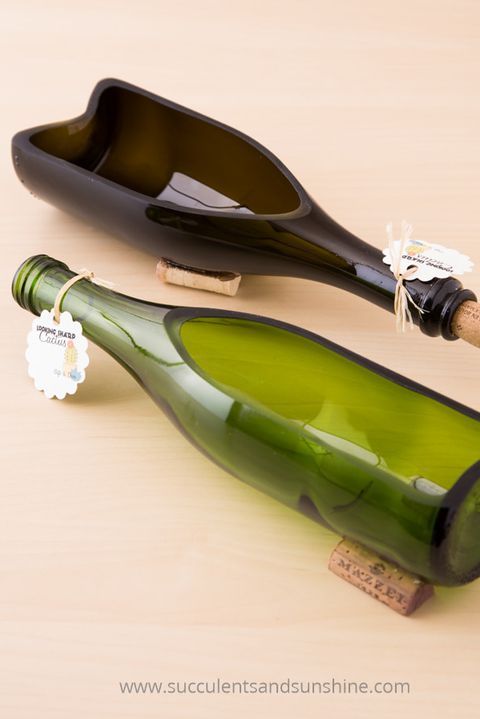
119,324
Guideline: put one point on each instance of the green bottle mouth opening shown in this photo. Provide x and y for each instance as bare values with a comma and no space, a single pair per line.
26,277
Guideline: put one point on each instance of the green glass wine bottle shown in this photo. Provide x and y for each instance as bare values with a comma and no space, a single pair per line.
368,453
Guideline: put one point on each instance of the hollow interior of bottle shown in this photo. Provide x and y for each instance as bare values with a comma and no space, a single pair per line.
171,155
420,439
360,428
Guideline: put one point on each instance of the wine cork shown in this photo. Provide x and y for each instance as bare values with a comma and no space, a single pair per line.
381,579
466,322
224,283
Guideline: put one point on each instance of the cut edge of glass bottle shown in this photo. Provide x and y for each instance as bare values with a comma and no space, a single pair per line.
456,524
31,142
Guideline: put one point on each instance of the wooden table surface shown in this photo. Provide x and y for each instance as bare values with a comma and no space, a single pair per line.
125,555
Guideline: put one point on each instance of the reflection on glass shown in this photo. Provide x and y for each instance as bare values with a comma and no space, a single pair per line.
184,190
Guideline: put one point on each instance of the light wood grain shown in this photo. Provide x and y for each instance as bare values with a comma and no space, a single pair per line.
124,553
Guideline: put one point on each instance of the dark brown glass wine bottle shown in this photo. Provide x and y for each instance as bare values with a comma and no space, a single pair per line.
204,195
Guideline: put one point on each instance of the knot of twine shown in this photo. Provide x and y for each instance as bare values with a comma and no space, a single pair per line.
403,314
84,274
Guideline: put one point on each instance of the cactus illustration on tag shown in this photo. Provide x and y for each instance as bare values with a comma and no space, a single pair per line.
70,360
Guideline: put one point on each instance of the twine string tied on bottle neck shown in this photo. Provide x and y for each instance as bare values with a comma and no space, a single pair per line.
403,298
83,274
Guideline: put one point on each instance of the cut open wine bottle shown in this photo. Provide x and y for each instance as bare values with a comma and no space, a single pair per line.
368,453
202,195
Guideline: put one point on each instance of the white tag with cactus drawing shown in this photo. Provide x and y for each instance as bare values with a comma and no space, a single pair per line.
56,354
